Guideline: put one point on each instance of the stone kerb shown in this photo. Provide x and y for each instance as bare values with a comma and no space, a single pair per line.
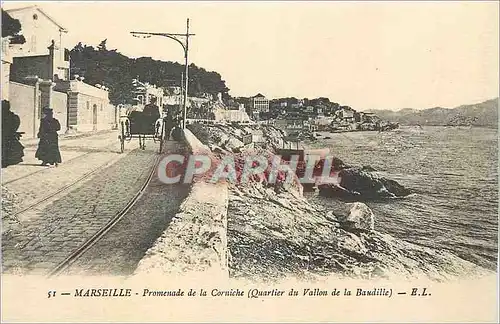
196,240
193,143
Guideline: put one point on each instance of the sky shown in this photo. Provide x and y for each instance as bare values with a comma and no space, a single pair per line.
368,55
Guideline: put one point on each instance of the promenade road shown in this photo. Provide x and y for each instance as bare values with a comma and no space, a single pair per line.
59,208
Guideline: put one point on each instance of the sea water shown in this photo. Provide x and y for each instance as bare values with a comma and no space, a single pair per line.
453,172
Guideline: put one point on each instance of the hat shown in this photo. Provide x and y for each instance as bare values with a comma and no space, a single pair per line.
47,110
5,105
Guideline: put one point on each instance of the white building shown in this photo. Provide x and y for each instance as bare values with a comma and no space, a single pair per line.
88,107
40,30
145,92
259,103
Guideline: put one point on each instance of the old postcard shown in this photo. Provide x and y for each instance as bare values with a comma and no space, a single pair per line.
250,161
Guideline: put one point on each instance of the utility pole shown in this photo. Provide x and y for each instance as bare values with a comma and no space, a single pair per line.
186,77
181,98
185,46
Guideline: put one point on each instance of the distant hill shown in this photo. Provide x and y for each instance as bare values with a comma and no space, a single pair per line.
483,114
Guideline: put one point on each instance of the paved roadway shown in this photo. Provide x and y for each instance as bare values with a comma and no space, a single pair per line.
52,230
119,252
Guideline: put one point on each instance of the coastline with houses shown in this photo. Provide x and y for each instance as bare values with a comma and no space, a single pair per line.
311,114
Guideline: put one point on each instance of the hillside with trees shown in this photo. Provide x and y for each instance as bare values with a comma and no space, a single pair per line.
114,70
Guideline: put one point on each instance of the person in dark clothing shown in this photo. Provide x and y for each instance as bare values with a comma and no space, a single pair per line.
48,147
169,124
177,131
12,149
151,113
151,109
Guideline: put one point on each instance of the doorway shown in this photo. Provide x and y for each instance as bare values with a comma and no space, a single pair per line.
94,117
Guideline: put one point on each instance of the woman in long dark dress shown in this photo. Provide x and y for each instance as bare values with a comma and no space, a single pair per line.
12,149
48,147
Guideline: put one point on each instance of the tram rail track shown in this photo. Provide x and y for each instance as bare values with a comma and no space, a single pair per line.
76,254
45,169
66,187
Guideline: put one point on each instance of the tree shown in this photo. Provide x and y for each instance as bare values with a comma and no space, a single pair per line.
11,28
79,47
102,45
116,71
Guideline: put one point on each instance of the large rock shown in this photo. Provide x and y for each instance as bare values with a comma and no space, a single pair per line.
358,184
217,149
357,217
233,144
273,137
221,138
335,164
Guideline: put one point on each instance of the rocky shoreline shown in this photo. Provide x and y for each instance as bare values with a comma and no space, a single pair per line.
274,232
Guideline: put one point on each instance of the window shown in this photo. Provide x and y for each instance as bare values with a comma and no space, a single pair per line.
35,17
65,73
88,104
33,42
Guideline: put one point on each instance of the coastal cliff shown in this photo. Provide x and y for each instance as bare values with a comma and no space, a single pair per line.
275,232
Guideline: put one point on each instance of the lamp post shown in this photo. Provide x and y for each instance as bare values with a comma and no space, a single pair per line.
185,46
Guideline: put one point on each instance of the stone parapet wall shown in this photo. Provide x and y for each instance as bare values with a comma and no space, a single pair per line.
196,239
24,101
